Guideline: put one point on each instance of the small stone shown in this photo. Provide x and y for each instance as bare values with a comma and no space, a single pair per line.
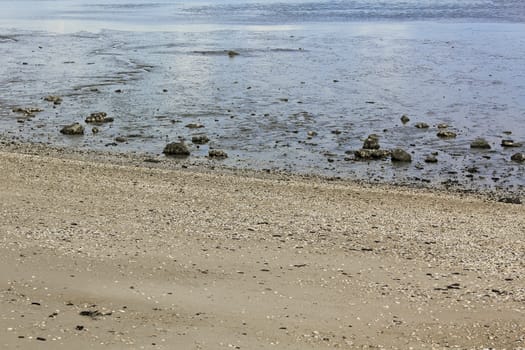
518,157
41,338
442,126
510,143
194,126
176,149
200,139
431,159
120,139
421,125
55,99
95,130
217,153
446,134
371,142
232,53
400,155
480,143
404,119
311,134
73,129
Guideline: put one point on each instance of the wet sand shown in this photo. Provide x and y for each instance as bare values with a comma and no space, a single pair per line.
98,255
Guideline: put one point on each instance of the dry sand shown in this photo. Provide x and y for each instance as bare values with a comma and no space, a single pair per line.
178,259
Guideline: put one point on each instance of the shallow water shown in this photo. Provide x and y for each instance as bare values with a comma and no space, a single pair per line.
350,66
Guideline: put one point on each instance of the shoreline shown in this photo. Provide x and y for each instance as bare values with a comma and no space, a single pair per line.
206,165
98,254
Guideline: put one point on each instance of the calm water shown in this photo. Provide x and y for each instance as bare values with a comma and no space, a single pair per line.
341,69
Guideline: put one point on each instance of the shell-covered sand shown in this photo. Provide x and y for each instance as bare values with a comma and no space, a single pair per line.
95,255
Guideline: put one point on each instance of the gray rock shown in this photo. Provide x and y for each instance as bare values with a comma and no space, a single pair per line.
480,143
73,129
217,153
371,154
421,125
371,142
400,155
518,157
176,149
200,139
446,134
404,119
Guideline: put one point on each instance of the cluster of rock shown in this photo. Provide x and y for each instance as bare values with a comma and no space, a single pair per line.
180,149
28,111
371,151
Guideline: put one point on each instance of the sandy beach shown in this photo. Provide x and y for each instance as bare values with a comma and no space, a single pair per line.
97,255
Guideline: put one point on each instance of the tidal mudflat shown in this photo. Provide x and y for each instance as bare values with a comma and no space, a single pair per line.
301,99
290,87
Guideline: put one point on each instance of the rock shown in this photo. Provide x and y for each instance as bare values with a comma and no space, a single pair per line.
371,142
421,125
518,157
404,119
95,130
121,139
73,129
55,99
510,143
217,153
98,117
371,154
232,53
480,143
336,132
431,159
446,134
400,155
194,126
442,126
200,139
176,149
